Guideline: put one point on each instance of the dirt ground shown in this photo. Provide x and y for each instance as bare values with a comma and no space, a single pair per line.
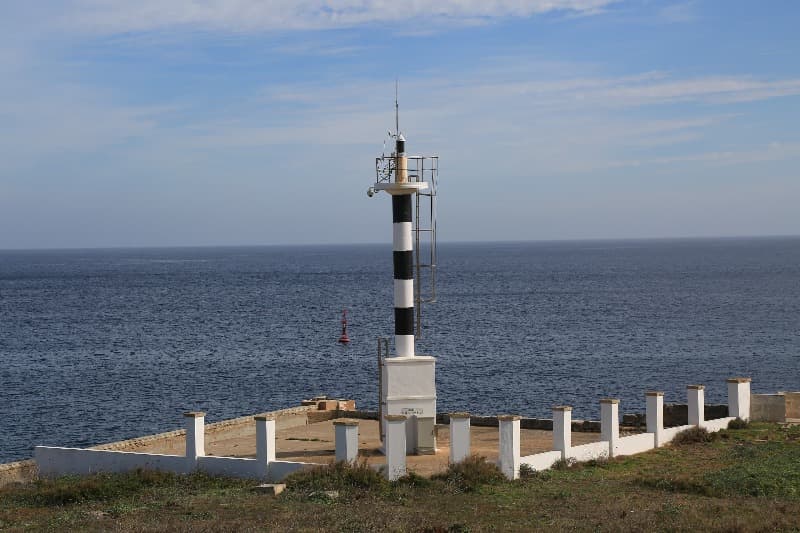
314,443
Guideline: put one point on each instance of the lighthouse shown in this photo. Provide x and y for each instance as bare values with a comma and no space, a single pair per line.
408,379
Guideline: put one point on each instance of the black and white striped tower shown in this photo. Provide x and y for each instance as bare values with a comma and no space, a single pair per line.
403,251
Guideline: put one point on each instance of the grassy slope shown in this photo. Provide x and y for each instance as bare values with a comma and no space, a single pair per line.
746,480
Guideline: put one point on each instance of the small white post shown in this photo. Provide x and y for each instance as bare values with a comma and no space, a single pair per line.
265,442
195,438
459,437
562,429
509,445
739,398
655,415
346,440
395,446
609,423
696,402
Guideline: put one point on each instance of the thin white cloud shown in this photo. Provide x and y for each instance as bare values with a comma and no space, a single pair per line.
775,151
113,16
567,119
680,12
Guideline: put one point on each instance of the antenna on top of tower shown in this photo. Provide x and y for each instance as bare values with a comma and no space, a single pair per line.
396,108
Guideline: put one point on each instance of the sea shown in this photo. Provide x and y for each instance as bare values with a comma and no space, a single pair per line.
106,344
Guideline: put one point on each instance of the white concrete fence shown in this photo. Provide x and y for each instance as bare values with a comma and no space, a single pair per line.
56,461
610,444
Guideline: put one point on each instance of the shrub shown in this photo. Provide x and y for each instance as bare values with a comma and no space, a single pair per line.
470,474
694,435
738,423
339,476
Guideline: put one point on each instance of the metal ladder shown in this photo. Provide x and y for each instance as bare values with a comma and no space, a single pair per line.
425,234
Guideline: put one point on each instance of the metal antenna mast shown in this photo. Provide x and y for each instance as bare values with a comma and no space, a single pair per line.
396,108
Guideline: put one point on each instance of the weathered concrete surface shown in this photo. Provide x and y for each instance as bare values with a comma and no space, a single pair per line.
768,407
792,405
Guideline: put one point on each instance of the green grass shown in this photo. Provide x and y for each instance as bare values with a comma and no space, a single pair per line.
746,479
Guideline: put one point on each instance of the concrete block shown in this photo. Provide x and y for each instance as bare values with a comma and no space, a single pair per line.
346,405
768,407
459,437
265,441
195,437
395,446
509,445
609,422
655,415
346,434
696,402
739,398
562,429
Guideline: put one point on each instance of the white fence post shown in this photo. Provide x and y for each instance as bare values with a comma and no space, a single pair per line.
459,437
655,415
562,429
346,440
609,423
395,446
509,445
195,438
696,398
265,442
739,398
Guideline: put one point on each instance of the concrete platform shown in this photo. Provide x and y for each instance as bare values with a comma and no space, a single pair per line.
314,443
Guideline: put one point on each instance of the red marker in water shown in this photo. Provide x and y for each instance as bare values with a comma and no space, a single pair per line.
344,339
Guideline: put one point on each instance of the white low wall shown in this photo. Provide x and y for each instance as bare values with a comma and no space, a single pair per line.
634,444
717,424
56,461
541,461
231,466
280,469
588,452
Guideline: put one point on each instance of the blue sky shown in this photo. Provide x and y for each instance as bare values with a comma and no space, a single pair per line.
251,122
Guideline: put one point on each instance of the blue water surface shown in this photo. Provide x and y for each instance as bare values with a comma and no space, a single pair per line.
102,345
